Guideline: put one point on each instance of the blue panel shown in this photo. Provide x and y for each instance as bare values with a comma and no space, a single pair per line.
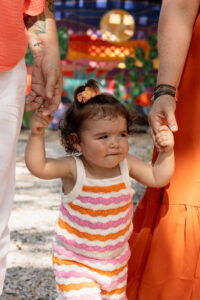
81,3
101,3
90,12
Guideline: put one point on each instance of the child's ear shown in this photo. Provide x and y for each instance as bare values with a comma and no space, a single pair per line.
74,140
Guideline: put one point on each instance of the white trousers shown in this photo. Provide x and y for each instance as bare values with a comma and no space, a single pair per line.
60,298
12,98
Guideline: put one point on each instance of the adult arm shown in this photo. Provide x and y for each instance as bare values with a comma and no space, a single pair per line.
46,73
175,27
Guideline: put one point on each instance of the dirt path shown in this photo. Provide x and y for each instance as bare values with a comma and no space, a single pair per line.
29,272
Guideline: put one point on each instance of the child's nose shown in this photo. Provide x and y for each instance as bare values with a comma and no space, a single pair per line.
114,142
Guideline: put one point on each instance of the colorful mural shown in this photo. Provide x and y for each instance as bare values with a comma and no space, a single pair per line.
86,44
84,49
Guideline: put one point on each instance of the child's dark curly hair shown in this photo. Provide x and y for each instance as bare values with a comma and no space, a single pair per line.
101,106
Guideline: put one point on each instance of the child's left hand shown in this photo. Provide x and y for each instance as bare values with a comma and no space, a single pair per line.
164,139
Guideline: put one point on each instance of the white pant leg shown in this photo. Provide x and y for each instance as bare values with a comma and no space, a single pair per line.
12,97
60,298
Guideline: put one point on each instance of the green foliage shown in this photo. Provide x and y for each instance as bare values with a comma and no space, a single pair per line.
152,39
63,42
147,66
140,54
120,79
153,53
29,57
130,62
136,90
134,75
142,77
149,80
27,118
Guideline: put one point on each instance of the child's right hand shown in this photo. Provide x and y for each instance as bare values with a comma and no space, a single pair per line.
39,122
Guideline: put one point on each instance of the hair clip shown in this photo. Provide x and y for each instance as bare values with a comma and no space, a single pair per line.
87,94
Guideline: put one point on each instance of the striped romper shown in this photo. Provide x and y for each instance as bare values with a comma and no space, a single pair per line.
90,249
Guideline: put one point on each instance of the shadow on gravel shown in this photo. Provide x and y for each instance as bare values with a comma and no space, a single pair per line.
31,236
29,284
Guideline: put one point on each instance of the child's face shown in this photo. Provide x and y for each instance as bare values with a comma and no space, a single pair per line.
104,142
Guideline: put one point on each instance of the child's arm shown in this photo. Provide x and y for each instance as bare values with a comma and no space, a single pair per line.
35,156
158,174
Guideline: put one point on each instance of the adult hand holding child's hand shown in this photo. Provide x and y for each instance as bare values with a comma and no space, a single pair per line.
163,113
164,139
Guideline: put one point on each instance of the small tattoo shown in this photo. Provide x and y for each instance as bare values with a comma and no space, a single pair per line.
37,44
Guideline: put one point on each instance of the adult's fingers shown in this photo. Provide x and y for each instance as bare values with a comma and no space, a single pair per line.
31,96
163,112
155,121
51,84
51,105
35,104
171,121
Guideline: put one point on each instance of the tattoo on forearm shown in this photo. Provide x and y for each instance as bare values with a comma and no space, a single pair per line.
51,7
37,44
36,24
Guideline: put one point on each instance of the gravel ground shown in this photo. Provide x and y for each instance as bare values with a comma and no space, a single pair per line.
35,210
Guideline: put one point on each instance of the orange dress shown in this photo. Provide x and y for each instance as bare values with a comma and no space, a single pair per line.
165,261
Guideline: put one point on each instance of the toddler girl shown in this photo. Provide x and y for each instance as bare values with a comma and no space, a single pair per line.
90,249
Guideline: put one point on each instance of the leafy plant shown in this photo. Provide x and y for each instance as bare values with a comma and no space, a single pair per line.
63,40
141,78
27,118
29,57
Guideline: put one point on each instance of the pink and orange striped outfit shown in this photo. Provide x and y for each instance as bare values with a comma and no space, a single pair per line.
90,250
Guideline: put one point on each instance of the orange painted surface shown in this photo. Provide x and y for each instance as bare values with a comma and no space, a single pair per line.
144,99
99,50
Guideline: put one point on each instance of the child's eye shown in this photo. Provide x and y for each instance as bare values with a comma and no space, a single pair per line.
123,134
103,137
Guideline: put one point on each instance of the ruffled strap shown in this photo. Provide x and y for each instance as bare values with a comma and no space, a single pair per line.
125,174
80,169
80,176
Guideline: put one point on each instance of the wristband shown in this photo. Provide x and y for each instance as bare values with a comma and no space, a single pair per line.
164,89
168,86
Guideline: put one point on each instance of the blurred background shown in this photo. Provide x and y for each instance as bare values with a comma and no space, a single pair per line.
113,41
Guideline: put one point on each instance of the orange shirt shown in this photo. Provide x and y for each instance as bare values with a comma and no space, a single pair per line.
13,35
